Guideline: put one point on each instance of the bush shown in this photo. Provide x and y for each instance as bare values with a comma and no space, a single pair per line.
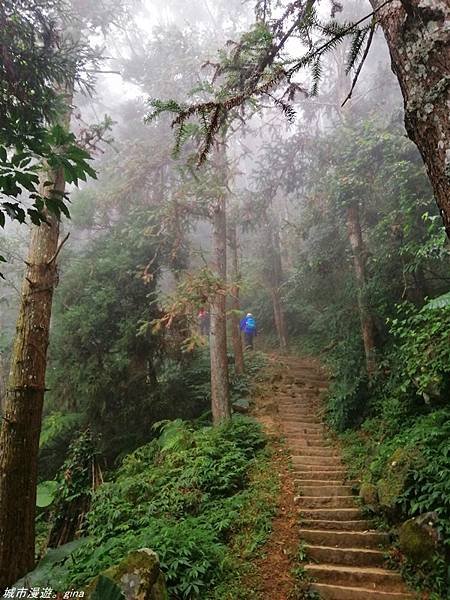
181,495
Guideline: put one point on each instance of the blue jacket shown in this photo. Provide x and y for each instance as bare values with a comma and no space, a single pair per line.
248,325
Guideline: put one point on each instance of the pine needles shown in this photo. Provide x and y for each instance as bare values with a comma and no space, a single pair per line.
257,67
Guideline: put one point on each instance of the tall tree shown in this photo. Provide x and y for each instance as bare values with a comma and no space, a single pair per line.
273,272
220,396
359,260
418,37
235,304
21,424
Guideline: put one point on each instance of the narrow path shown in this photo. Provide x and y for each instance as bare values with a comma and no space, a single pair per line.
346,555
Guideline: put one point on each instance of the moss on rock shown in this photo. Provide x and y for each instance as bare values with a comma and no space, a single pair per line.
138,576
392,485
368,493
416,541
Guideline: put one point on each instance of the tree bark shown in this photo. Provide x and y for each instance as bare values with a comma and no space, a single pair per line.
418,37
234,301
367,324
2,383
220,397
278,311
21,425
278,314
274,278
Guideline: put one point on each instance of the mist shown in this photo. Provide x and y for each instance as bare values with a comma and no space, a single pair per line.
224,299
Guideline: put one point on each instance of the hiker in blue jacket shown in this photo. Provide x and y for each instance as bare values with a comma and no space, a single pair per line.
248,326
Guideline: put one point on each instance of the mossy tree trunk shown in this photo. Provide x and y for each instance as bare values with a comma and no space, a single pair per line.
418,37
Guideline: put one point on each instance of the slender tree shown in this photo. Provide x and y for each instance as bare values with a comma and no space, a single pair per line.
21,424
220,397
234,299
273,271
359,260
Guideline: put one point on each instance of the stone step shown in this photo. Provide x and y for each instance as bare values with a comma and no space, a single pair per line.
330,461
316,437
305,445
326,502
353,484
357,557
295,406
345,539
334,592
296,416
304,431
331,514
314,451
320,446
370,578
312,441
321,483
325,490
300,411
351,525
293,422
312,469
322,475
302,427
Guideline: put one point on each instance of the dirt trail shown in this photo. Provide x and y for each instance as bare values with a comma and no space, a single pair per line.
346,554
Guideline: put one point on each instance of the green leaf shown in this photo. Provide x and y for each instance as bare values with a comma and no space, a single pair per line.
46,492
439,302
41,574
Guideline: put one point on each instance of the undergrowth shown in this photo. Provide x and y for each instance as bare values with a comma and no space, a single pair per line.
202,498
399,443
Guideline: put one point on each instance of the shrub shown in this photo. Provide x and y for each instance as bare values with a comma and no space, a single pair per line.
181,495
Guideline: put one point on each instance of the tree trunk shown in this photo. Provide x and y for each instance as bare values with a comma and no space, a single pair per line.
274,278
2,383
21,426
234,302
278,314
367,324
418,38
220,397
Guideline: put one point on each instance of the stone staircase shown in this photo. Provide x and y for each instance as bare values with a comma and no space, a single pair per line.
347,556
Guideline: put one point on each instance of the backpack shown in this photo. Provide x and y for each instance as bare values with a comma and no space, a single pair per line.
250,324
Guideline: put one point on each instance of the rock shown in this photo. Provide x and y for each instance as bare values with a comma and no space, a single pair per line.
388,491
391,486
418,539
368,492
242,406
138,576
